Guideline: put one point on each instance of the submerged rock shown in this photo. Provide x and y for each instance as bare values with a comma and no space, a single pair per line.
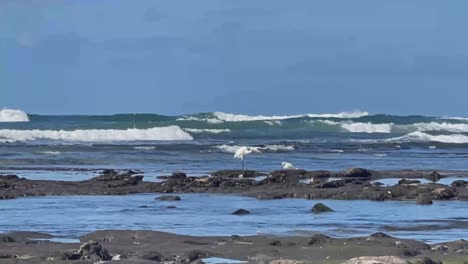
405,181
321,208
241,212
424,199
168,198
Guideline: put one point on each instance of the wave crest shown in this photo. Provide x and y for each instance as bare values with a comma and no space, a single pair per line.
13,115
424,137
169,133
243,118
367,127
266,148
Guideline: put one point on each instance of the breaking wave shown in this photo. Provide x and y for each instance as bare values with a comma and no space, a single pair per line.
424,137
212,131
242,118
367,127
169,133
266,148
13,115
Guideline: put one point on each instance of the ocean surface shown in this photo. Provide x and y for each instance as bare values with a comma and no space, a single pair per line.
203,142
53,147
210,214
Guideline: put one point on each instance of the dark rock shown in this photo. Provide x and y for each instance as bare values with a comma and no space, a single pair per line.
9,177
410,252
93,250
241,212
196,255
71,256
379,235
331,184
276,243
168,198
433,176
424,199
318,239
6,239
459,183
357,173
426,260
143,206
109,172
378,197
405,181
444,193
235,174
321,208
5,256
151,255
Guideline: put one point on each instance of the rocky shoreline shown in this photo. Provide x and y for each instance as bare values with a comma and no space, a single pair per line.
152,247
353,184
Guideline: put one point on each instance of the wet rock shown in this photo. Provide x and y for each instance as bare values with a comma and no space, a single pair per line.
433,176
151,255
241,212
318,239
321,208
375,260
459,183
380,197
168,198
6,239
282,176
9,177
425,260
424,200
444,193
91,250
5,256
357,173
405,181
410,252
196,255
331,184
378,236
276,243
174,176
236,173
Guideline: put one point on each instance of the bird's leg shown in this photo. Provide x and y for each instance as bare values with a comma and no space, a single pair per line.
243,166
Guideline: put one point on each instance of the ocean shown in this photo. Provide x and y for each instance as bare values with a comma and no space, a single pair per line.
204,142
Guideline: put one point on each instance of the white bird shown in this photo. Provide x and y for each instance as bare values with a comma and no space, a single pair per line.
244,151
288,166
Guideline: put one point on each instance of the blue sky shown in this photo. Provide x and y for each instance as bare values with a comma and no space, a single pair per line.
242,56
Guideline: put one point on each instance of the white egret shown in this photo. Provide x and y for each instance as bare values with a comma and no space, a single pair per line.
288,166
244,151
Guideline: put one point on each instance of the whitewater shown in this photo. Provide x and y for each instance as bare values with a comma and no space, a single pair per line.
200,142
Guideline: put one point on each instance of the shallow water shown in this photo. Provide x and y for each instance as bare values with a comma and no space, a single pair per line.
208,214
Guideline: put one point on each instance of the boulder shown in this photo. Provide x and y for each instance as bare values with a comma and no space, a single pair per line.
459,183
424,199
331,184
433,176
196,255
275,243
90,250
357,173
405,181
168,198
425,260
379,236
321,208
443,193
241,212
6,239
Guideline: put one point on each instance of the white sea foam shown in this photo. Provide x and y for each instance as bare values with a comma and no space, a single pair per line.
13,115
212,131
274,123
367,127
96,135
242,118
434,126
424,137
145,147
267,148
208,120
49,152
